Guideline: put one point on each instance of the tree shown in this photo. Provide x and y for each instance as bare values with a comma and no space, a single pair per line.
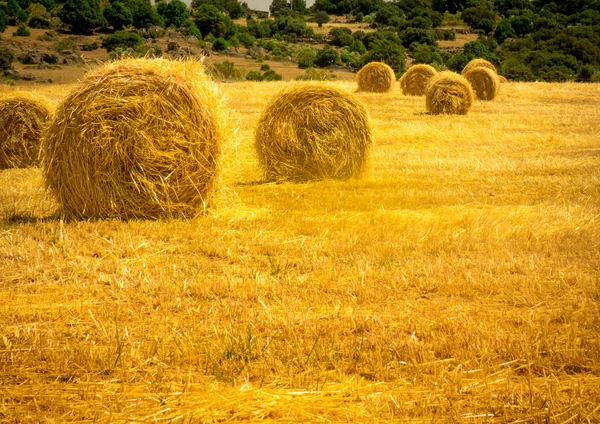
175,13
473,15
503,31
306,57
277,6
321,17
209,19
83,15
122,39
299,6
3,21
341,36
118,15
142,13
6,59
326,57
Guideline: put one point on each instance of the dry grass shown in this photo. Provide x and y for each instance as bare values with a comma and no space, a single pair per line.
456,281
23,119
137,138
376,77
313,132
484,81
415,80
448,93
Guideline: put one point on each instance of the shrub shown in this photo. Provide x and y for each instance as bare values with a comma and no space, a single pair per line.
264,67
40,22
306,57
254,76
220,44
118,15
6,59
21,31
313,74
89,47
271,75
121,39
65,44
224,70
326,57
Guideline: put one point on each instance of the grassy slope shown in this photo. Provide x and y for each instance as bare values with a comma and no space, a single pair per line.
458,279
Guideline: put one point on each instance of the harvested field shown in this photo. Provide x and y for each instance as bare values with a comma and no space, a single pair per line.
456,281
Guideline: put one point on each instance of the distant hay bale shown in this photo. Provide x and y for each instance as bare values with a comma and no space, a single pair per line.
376,77
138,138
313,132
484,81
415,79
23,119
448,93
479,63
502,79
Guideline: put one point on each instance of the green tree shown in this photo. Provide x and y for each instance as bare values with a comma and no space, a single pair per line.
122,39
388,50
321,17
503,31
211,20
118,15
341,36
473,15
299,6
306,57
82,15
278,6
6,59
174,12
3,21
142,13
326,57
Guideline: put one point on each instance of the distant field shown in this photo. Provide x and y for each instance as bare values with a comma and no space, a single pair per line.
458,280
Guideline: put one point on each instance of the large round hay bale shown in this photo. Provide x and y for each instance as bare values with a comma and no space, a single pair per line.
376,77
415,79
313,132
484,81
23,119
136,138
479,63
448,93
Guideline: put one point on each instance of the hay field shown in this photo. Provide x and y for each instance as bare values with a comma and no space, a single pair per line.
457,281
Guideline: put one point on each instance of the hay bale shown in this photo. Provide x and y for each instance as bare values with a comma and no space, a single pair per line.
376,77
137,138
448,93
478,63
313,132
23,119
415,79
484,81
502,79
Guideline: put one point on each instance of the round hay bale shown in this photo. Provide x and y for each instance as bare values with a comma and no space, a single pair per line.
502,79
484,81
415,79
313,132
376,77
137,138
479,63
448,93
23,119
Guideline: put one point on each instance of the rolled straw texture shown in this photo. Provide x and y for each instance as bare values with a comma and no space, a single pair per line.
313,132
479,63
415,80
23,119
138,138
448,93
376,77
484,81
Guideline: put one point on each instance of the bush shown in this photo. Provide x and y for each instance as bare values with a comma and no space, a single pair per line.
306,57
220,44
123,40
326,57
254,76
271,75
118,15
89,47
316,75
586,73
65,44
21,31
6,59
264,67
224,70
40,22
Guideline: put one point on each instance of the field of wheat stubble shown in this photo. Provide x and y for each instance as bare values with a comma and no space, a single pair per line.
457,280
